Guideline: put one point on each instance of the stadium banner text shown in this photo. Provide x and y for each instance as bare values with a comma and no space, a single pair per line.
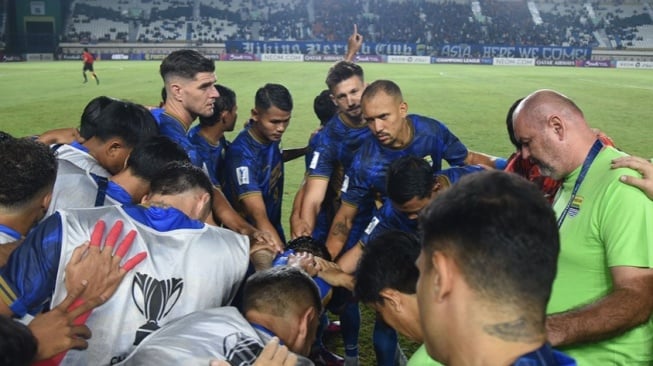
485,51
319,48
634,65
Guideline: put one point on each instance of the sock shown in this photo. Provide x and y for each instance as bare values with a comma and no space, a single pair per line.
385,343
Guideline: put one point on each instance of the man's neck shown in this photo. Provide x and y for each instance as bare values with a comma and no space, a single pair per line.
136,187
212,134
179,112
21,222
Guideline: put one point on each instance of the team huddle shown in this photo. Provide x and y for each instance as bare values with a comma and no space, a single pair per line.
543,258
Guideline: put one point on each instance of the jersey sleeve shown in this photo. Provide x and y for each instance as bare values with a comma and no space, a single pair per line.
356,189
622,218
29,277
322,160
453,150
241,171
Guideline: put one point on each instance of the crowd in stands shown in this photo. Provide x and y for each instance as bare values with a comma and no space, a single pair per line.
429,22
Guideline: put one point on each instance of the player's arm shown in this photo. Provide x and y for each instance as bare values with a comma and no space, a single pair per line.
628,305
349,260
314,192
332,274
339,232
477,158
297,226
354,44
60,136
255,209
224,212
292,154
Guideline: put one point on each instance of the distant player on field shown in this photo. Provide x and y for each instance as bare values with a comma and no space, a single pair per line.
88,59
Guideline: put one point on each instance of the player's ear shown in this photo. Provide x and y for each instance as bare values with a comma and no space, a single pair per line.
403,109
444,275
391,298
202,208
175,91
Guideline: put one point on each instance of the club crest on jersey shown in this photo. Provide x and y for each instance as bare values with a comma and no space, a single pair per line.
574,208
154,300
242,172
428,159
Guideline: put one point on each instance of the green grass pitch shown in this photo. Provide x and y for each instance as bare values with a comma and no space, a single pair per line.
471,100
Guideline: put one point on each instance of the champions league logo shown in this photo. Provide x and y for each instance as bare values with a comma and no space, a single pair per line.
154,300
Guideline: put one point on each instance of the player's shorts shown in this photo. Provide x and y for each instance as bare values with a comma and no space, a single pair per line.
88,67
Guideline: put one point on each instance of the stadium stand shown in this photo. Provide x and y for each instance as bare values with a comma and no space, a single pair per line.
613,24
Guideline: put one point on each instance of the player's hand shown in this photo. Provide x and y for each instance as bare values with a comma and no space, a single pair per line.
354,44
643,166
260,240
61,136
55,330
273,354
99,266
305,261
333,274
299,228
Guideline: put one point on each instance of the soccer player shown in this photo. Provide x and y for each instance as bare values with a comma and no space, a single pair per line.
208,136
386,280
88,60
601,303
484,281
77,188
30,169
396,134
190,266
280,302
110,129
324,110
189,80
254,164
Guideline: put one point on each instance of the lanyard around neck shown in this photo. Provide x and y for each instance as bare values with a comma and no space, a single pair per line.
593,153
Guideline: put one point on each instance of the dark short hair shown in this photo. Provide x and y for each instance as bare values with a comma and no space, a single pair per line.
324,107
185,64
28,167
128,121
225,102
4,136
280,289
179,177
501,232
386,86
309,245
273,95
388,261
409,177
150,157
509,123
91,114
17,344
341,71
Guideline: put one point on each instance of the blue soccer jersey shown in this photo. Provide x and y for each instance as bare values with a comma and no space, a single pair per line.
431,140
335,148
387,218
173,129
255,167
212,156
